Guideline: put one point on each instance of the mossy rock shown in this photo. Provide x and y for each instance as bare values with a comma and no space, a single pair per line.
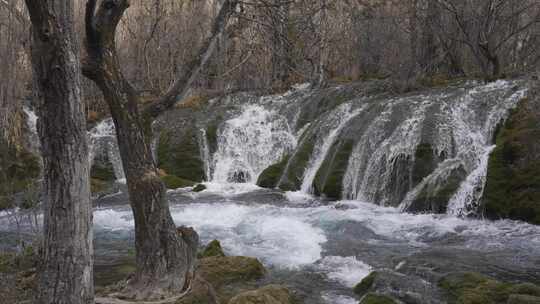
98,185
102,172
270,177
425,162
294,170
199,188
475,288
372,298
434,198
329,178
513,180
180,156
363,287
220,271
271,294
213,249
175,182
523,299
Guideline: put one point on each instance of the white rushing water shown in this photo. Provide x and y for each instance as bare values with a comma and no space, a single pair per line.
330,127
249,143
103,143
306,239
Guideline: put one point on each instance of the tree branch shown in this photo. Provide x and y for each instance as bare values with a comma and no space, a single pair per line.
192,70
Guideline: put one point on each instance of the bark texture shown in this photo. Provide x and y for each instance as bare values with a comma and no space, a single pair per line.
165,255
66,275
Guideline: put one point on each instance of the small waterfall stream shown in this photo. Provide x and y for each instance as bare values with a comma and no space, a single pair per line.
249,143
103,144
333,124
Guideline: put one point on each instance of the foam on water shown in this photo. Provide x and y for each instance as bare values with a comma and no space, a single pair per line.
290,238
349,271
333,298
230,189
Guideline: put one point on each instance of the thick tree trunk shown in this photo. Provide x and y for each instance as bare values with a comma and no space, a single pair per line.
66,275
165,255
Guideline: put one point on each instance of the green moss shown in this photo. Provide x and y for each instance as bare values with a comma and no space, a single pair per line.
103,173
474,288
363,287
199,188
424,162
97,185
434,198
271,294
372,298
270,177
513,180
175,182
220,271
329,178
182,158
294,172
213,249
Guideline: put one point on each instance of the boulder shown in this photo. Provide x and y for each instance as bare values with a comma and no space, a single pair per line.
372,298
407,288
220,271
513,180
471,287
199,188
213,249
271,294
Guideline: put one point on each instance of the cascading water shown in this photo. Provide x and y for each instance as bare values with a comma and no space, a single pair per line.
330,128
387,165
103,142
205,154
399,145
249,143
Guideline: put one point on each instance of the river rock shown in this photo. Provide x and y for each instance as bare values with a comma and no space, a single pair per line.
271,294
213,249
513,180
406,288
373,298
471,287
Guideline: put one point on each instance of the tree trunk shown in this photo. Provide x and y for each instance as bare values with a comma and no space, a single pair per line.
66,275
165,255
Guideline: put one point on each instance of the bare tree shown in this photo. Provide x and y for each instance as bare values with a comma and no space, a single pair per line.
66,275
165,255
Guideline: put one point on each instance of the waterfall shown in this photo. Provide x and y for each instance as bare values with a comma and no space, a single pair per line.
205,154
467,199
249,143
103,142
333,124
401,144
